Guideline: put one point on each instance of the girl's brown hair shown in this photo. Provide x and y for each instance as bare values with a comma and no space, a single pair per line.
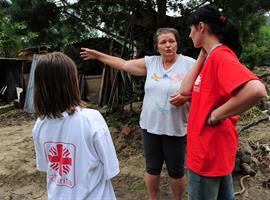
56,87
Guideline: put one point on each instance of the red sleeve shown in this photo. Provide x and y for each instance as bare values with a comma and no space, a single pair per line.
232,74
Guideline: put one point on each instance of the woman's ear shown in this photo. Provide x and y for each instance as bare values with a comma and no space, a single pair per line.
201,27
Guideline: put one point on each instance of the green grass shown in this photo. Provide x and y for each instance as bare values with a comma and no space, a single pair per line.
138,185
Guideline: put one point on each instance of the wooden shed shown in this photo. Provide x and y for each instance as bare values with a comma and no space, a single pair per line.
11,77
96,79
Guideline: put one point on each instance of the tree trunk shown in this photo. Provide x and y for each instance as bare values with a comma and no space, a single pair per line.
161,19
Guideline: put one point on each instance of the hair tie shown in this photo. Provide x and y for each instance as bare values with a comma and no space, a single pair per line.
222,18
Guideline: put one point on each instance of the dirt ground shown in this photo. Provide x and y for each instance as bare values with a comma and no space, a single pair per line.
20,181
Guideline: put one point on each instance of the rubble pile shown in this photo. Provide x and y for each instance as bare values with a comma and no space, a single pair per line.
252,157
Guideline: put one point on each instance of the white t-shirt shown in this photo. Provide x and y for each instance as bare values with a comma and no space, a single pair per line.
158,115
78,155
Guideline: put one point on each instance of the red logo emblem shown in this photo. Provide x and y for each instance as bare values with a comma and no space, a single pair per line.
59,159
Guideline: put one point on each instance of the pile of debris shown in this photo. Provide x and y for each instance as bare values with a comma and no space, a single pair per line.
251,157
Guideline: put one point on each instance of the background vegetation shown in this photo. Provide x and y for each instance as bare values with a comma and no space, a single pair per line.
58,23
132,23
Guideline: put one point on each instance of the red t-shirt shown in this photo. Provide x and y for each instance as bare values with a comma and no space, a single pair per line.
211,150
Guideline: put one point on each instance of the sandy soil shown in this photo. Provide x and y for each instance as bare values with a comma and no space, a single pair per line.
20,181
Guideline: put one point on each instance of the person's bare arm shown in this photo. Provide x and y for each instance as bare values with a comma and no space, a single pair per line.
178,100
184,94
135,67
190,77
244,99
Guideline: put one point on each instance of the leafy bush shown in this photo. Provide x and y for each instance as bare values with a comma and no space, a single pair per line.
257,51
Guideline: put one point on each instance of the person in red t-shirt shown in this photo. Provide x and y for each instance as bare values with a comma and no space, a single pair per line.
221,88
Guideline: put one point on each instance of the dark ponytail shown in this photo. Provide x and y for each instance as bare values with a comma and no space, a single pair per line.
230,37
218,25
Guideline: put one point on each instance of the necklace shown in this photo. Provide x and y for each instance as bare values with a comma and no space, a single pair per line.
213,47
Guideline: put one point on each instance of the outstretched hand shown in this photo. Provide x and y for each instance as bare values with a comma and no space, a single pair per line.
88,54
178,100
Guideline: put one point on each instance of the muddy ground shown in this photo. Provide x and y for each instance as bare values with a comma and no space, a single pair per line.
20,181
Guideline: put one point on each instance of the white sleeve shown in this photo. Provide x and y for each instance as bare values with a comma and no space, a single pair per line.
40,158
148,60
192,62
107,155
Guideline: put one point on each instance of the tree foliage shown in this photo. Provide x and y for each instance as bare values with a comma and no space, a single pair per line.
131,22
60,23
257,50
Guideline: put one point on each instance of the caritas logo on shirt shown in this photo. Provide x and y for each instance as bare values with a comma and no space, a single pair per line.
197,84
61,158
